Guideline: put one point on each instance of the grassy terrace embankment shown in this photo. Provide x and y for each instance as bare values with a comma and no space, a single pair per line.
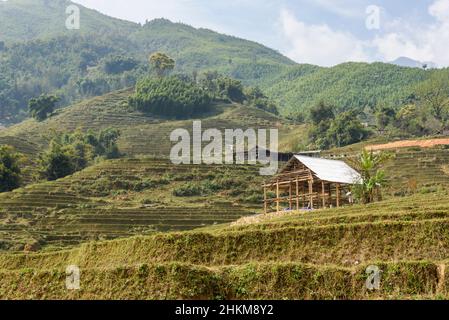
315,255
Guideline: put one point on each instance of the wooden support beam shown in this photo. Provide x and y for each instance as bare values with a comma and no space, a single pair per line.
314,195
290,199
323,194
297,194
277,197
338,195
303,192
265,200
310,194
283,182
330,195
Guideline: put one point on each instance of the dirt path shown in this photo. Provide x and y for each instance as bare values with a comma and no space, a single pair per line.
410,143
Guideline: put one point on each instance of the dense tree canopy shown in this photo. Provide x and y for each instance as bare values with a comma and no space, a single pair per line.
42,106
71,152
330,130
322,112
434,94
9,169
117,64
170,97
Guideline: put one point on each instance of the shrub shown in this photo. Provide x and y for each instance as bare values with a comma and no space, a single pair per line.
188,190
9,169
40,107
72,152
56,163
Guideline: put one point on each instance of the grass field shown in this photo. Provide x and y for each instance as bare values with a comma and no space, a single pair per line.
302,255
319,255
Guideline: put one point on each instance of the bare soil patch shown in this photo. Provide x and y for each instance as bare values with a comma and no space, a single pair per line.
409,143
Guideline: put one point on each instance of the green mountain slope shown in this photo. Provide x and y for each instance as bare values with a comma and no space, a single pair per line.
202,49
356,85
71,63
32,19
41,56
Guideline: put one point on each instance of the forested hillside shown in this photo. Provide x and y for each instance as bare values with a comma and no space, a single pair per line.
75,64
347,85
39,55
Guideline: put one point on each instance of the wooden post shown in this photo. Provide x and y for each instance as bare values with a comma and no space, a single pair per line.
265,199
338,195
297,194
277,195
323,191
290,199
303,191
310,194
330,195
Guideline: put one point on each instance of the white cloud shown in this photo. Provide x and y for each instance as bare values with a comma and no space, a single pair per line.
428,42
394,45
319,44
440,10
344,8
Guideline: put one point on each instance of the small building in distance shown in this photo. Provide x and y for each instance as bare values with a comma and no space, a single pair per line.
246,155
310,183
313,153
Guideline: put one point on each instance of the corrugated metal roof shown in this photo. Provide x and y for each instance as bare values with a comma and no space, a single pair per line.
331,170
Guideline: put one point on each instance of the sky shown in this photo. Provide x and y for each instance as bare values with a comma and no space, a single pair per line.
321,32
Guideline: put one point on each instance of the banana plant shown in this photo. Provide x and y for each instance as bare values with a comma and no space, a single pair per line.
368,164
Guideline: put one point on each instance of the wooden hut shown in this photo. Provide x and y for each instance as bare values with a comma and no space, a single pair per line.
311,183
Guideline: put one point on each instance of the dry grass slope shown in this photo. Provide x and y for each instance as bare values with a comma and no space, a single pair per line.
142,134
320,255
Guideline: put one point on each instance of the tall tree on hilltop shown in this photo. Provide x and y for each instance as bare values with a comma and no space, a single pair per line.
41,106
161,63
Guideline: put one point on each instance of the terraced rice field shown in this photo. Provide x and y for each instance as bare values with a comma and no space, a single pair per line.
116,199
418,169
135,196
409,170
318,255
142,134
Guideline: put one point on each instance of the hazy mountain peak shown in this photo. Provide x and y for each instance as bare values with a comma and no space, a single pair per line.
410,63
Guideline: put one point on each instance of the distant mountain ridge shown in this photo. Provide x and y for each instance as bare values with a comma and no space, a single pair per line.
410,63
